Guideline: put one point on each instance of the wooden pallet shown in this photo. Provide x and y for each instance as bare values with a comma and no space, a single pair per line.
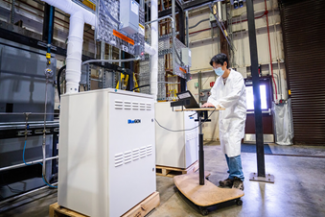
140,210
173,171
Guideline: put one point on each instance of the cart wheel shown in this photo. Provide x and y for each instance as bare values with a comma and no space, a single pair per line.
239,202
207,178
204,211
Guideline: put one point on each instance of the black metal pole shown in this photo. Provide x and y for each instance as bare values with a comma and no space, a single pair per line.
181,29
131,82
201,152
256,89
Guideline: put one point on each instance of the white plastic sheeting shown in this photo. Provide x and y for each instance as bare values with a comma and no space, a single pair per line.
283,123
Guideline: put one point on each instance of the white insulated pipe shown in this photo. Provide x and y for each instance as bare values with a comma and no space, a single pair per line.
70,7
79,16
154,46
74,52
219,11
148,49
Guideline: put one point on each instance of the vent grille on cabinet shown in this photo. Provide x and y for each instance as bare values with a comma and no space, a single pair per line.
142,106
149,150
143,152
133,155
118,159
119,104
135,106
127,157
136,154
148,107
127,105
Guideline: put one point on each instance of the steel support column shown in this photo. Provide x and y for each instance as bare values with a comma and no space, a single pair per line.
256,89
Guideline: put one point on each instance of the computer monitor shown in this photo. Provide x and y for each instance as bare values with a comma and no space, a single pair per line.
187,96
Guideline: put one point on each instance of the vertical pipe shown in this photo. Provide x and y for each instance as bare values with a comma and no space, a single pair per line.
12,15
199,84
181,28
173,40
110,53
154,45
74,52
50,30
219,11
102,51
187,27
270,49
256,89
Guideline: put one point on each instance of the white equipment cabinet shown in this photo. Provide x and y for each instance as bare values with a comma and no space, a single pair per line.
106,151
175,149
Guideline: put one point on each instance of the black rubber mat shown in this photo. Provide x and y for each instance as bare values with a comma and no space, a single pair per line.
251,148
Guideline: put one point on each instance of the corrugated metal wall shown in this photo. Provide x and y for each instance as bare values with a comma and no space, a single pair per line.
303,24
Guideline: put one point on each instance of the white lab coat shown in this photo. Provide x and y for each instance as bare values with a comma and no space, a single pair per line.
232,97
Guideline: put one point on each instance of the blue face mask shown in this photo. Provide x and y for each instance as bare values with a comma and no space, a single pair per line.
219,71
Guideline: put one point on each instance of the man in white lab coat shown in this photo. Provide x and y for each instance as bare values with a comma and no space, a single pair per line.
229,92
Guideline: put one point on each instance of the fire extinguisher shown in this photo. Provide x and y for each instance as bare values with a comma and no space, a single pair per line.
259,69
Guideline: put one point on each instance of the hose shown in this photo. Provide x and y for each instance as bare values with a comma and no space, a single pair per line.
58,80
44,140
44,179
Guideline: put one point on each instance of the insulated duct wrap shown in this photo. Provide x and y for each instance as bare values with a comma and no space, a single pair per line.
74,52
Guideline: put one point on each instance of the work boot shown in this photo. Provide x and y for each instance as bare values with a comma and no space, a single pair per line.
226,183
238,183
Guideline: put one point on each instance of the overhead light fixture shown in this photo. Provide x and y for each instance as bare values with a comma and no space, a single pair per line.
236,4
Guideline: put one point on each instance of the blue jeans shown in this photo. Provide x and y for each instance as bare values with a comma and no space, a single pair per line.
235,168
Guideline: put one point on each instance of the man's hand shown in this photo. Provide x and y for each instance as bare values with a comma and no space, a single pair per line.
208,105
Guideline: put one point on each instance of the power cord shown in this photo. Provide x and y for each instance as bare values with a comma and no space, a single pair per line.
175,131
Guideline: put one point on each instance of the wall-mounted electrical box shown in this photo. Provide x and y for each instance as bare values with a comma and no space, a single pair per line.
186,56
129,16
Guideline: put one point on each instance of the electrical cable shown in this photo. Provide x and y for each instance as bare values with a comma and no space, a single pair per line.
192,114
175,131
145,85
191,27
58,80
110,61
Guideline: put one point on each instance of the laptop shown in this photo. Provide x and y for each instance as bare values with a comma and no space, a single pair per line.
188,99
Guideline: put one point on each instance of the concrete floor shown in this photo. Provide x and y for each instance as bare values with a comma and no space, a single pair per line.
299,187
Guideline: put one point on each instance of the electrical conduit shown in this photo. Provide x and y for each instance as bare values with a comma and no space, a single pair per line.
154,45
270,51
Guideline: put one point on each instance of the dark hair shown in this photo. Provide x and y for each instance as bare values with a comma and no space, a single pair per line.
219,59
